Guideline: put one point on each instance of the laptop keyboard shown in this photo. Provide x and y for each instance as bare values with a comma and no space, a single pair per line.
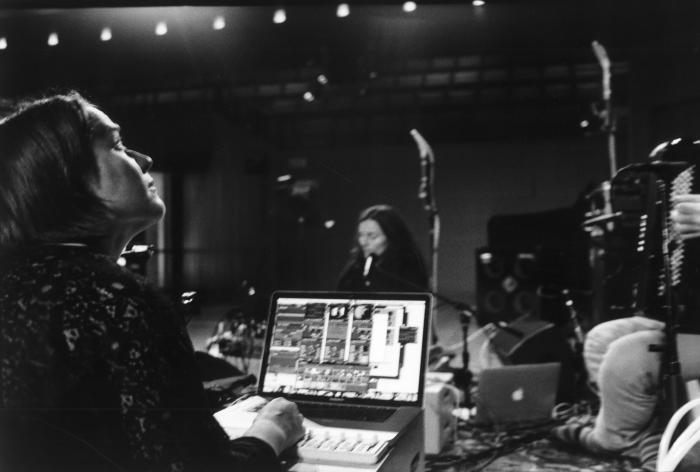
345,412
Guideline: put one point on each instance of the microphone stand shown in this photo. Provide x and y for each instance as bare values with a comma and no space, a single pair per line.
609,123
462,377
599,232
426,193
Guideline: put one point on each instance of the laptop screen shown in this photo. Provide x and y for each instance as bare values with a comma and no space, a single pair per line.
342,347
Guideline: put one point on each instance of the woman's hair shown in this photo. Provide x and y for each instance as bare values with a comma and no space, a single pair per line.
46,166
400,242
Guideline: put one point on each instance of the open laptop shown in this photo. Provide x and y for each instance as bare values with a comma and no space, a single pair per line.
517,393
331,352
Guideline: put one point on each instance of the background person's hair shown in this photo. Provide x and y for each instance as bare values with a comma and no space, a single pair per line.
399,238
46,166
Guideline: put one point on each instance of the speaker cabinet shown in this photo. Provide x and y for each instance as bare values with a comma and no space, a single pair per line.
506,284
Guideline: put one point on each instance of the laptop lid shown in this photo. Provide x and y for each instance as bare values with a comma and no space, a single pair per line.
523,392
340,347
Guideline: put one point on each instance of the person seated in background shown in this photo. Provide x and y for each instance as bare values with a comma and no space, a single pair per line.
96,369
385,257
626,372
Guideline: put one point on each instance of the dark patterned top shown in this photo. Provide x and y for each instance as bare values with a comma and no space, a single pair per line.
96,368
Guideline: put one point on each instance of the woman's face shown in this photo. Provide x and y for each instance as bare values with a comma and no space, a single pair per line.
123,181
371,238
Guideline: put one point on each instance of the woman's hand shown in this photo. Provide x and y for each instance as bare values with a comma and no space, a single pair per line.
279,424
685,215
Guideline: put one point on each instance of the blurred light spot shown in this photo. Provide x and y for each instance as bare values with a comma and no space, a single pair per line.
284,178
161,28
478,3
486,257
584,124
53,39
309,96
219,23
3,43
408,7
280,16
329,224
251,291
343,10
322,79
121,261
106,34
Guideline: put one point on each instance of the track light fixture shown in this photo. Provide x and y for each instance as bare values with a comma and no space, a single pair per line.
343,10
280,16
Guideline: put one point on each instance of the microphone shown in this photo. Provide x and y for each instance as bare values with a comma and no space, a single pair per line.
425,153
604,61
423,146
368,265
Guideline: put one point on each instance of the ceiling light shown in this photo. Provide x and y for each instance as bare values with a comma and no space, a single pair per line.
478,3
280,16
106,34
219,23
53,39
161,28
343,10
3,43
309,96
408,7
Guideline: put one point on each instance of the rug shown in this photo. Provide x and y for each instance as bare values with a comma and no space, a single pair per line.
525,448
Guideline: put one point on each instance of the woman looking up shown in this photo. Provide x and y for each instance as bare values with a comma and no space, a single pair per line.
96,369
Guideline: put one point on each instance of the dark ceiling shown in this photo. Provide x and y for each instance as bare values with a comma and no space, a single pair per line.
449,65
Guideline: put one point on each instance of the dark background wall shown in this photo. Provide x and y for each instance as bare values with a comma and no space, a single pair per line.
473,182
241,225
